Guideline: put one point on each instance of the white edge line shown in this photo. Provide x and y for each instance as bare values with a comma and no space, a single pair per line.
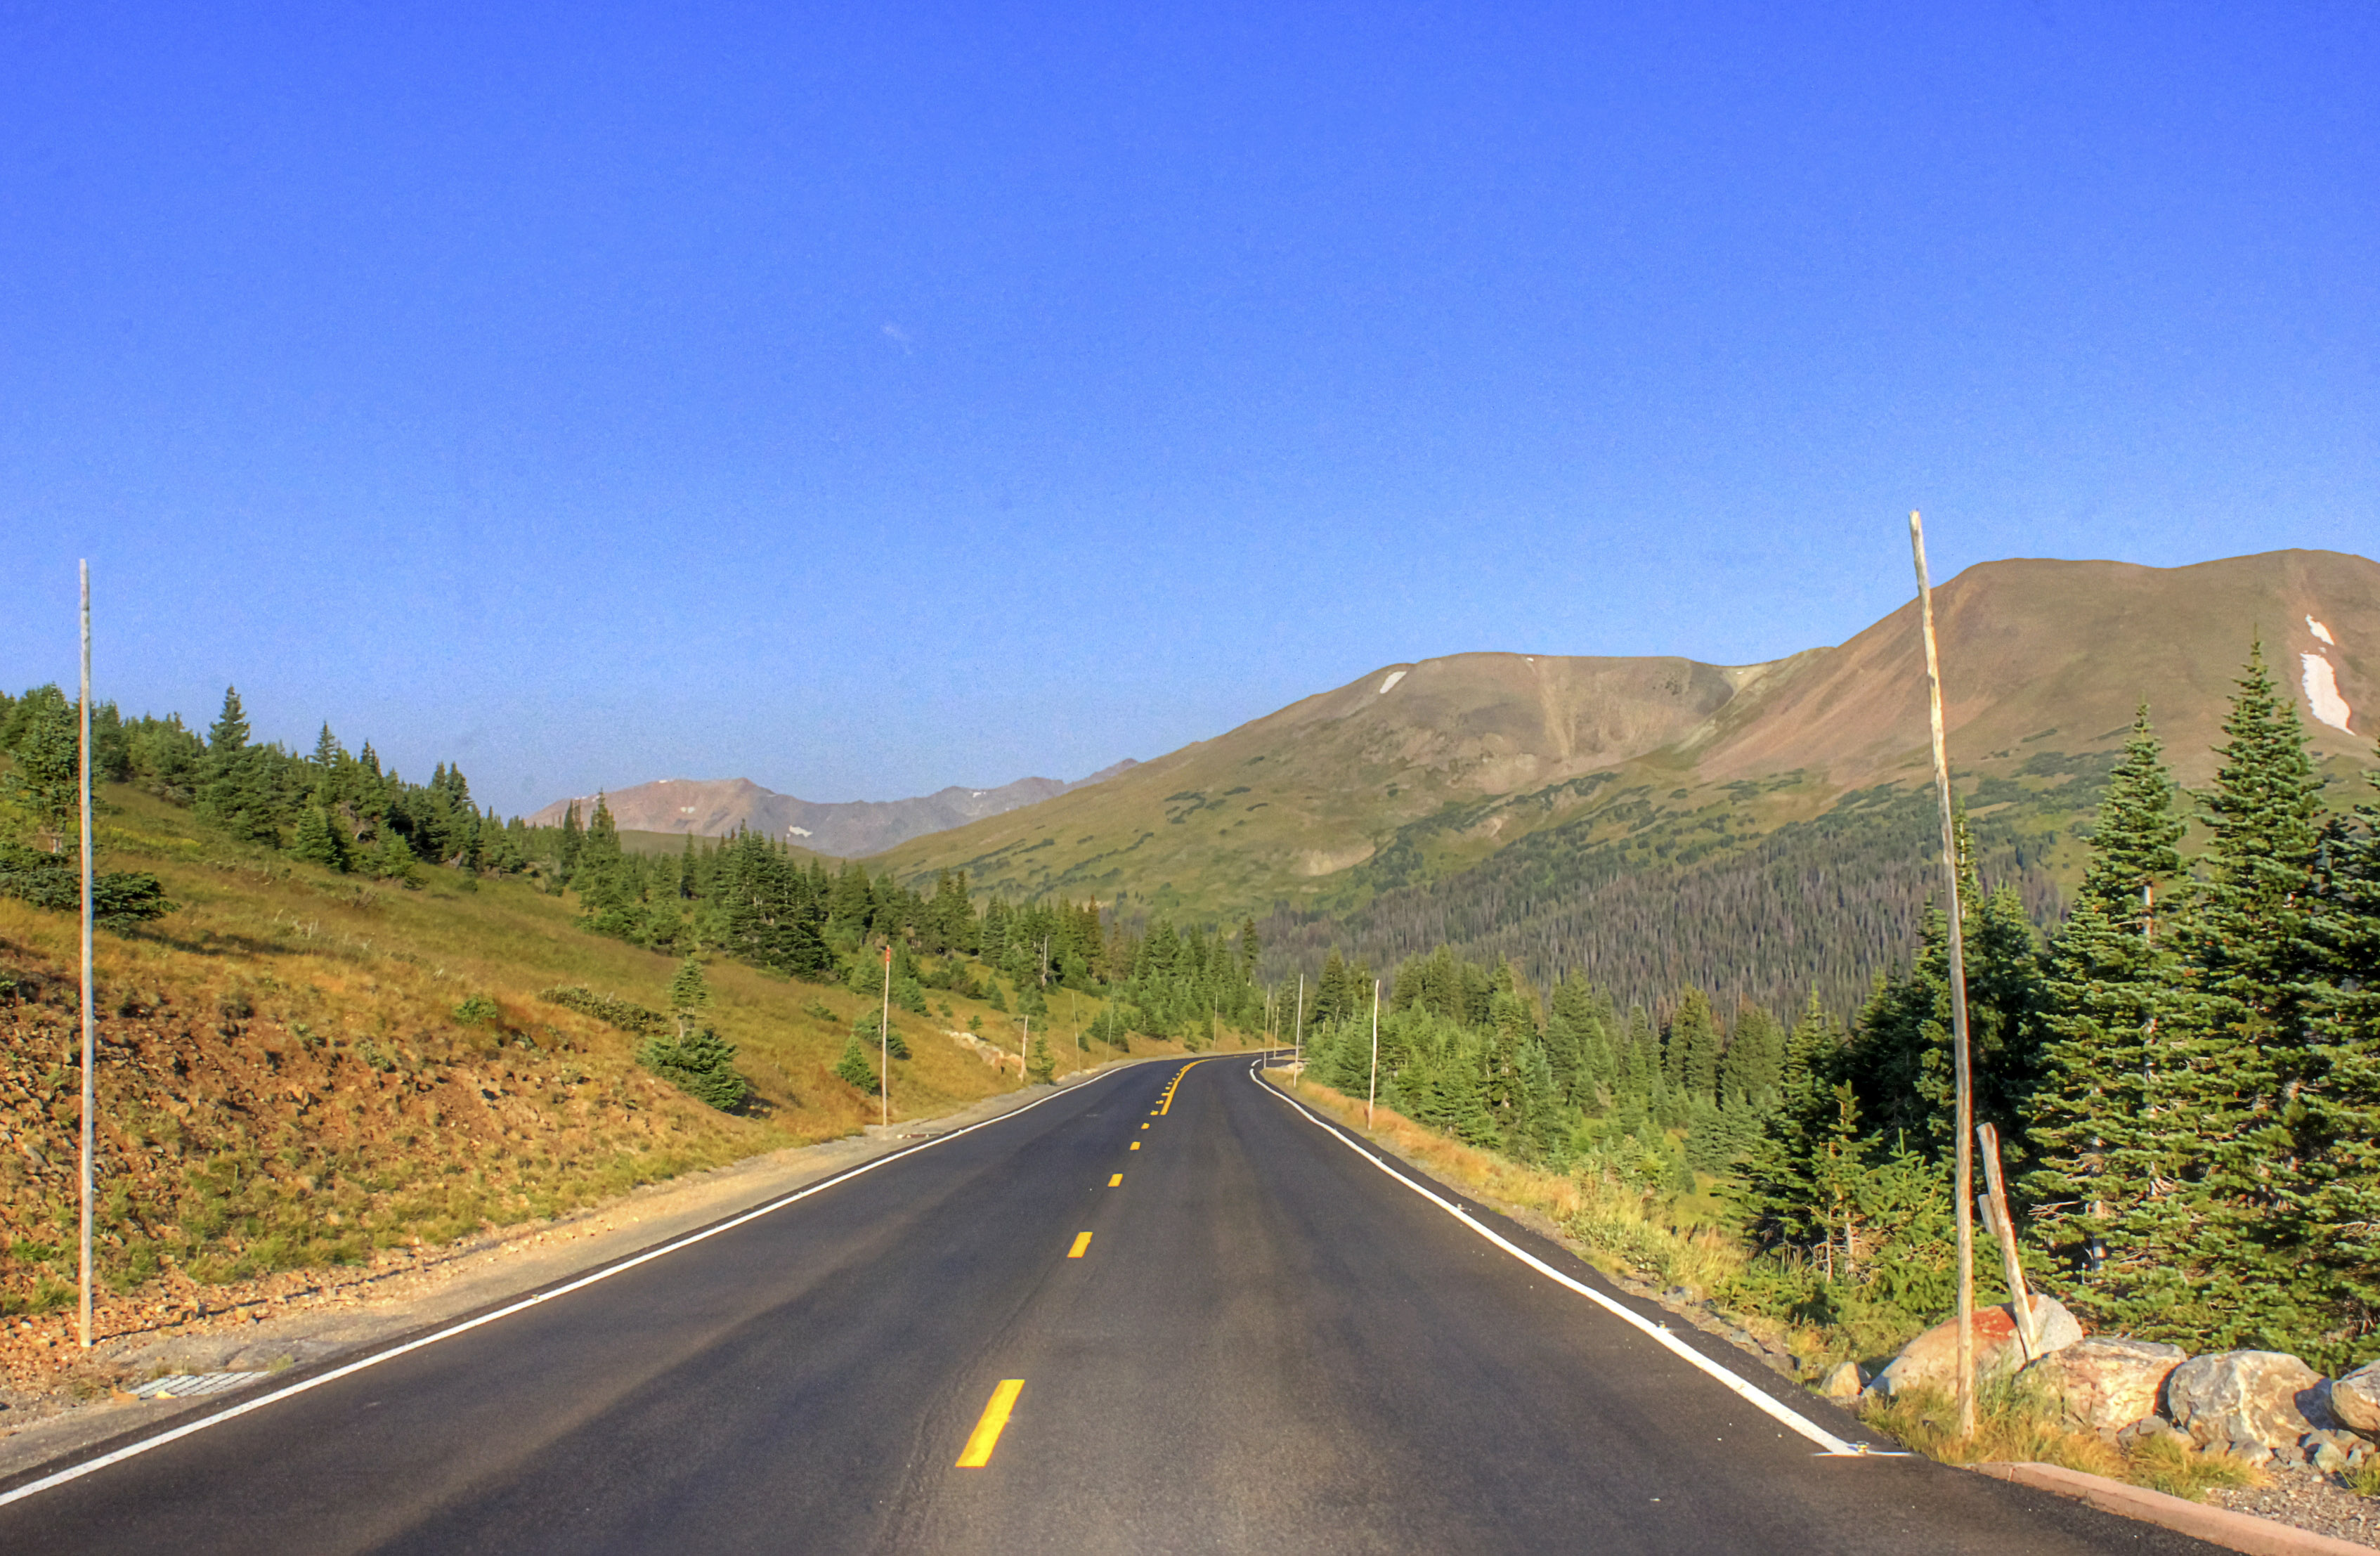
133,1450
1833,1446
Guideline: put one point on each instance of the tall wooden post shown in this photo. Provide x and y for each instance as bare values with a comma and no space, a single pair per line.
89,1046
1963,1193
1297,1037
884,1043
1372,1093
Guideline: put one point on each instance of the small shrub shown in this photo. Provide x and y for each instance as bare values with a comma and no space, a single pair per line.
610,1010
478,1011
856,1067
701,1064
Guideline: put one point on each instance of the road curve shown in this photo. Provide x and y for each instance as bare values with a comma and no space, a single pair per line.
1265,1343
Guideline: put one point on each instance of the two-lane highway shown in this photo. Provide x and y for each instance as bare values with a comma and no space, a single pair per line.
1163,1311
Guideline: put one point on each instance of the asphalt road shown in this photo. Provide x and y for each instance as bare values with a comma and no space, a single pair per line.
1267,1343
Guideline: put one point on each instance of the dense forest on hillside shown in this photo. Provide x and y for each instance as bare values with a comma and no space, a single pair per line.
1643,900
2186,1076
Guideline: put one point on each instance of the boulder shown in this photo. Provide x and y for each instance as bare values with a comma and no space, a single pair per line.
2355,1400
1844,1381
1933,1356
2103,1383
2267,1398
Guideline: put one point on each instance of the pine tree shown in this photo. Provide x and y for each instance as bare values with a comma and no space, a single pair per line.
689,992
2104,1123
2240,1220
319,840
857,1066
1043,1067
1754,1065
45,777
235,789
2338,1124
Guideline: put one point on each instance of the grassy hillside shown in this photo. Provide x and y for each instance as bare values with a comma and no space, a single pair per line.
1761,831
287,1075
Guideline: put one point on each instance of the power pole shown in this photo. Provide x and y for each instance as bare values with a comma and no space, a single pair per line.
1964,1194
884,1040
89,1047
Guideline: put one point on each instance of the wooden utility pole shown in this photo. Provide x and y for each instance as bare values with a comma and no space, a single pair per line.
884,1042
89,1046
1297,1037
1372,1092
1963,1195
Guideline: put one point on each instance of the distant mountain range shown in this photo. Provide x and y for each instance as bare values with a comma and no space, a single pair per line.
1579,811
718,807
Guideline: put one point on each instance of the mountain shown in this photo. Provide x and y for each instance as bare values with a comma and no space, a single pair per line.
845,830
1577,811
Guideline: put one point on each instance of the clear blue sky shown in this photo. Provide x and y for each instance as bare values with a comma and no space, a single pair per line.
867,399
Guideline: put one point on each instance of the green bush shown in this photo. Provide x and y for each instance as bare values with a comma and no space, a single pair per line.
856,1067
701,1064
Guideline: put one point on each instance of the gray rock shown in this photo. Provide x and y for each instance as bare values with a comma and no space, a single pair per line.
2105,1383
1932,1358
2328,1458
2267,1398
2355,1399
1844,1382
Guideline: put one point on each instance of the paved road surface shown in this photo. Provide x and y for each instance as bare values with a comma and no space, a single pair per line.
1267,1344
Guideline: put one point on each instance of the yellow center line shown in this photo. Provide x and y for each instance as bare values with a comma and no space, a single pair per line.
1177,1081
1143,1127
1136,1145
1082,1241
986,1436
1116,1182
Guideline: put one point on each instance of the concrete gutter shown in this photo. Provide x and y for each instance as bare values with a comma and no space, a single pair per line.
2216,1525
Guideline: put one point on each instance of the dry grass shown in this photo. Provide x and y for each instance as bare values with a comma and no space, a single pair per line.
2014,1424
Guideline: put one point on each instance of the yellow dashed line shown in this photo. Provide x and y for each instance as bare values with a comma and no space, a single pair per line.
1082,1245
1116,1182
986,1436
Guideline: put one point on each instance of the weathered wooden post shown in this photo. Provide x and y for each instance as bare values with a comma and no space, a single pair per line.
1963,1192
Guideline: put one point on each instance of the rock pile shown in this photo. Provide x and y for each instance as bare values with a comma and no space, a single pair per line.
2255,1407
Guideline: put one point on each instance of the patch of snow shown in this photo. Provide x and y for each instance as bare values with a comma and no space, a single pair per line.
2321,631
978,794
804,832
1394,677
688,810
2322,692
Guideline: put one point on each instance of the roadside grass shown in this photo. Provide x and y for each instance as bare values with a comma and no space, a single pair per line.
2014,1423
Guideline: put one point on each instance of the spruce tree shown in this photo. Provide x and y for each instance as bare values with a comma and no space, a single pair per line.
857,1066
2338,1124
2104,1122
689,992
2241,1219
319,841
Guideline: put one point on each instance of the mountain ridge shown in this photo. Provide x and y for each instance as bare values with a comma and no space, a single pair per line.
844,829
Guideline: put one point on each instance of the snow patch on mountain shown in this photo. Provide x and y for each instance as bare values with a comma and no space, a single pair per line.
1394,677
2321,631
2322,692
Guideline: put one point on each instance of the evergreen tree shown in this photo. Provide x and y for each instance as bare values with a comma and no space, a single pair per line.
235,789
2105,1121
701,1064
1754,1065
689,993
44,778
319,840
2339,1123
2241,1217
1042,1068
857,1066
392,858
